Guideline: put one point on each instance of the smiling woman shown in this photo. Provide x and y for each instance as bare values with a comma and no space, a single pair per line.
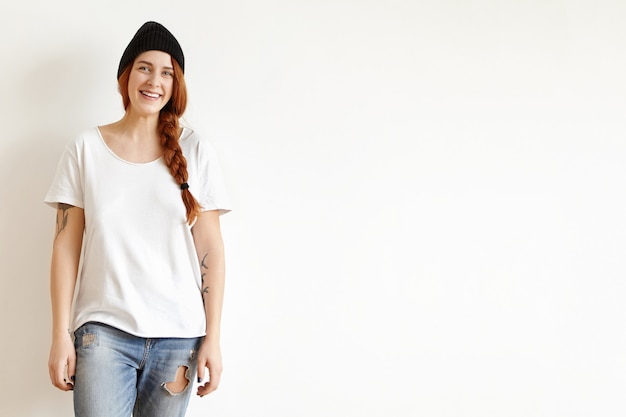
148,309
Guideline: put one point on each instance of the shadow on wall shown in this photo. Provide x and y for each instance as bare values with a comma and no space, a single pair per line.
50,105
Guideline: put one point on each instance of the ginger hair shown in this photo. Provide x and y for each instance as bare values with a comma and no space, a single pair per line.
169,130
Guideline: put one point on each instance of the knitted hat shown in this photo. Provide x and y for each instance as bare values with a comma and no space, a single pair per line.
152,36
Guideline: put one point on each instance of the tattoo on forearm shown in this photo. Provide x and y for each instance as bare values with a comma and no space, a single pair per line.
62,217
203,268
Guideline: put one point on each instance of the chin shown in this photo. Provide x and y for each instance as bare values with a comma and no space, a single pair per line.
144,110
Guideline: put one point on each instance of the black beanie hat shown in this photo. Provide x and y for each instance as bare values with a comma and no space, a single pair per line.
152,36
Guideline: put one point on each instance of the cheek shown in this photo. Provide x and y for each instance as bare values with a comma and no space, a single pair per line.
133,82
169,89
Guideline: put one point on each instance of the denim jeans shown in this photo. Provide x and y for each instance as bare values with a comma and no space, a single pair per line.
118,374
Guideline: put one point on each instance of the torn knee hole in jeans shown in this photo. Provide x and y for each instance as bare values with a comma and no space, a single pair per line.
180,383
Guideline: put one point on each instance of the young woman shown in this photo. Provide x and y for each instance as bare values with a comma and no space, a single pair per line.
137,276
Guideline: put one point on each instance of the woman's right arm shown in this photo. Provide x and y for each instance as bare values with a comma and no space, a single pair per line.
70,226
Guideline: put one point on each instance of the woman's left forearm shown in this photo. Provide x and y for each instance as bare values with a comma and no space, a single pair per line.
210,249
212,267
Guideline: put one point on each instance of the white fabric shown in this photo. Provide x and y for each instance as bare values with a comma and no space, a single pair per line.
140,271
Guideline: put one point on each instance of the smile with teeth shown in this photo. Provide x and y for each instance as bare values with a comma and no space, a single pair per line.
151,95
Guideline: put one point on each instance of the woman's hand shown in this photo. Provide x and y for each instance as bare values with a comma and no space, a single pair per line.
62,363
209,357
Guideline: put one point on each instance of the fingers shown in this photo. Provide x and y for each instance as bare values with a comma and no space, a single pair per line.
56,375
59,377
207,388
68,378
200,372
214,380
71,370
62,365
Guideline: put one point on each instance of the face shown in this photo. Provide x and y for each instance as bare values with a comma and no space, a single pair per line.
150,82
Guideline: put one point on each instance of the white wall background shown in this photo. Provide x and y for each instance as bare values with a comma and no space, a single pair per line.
429,197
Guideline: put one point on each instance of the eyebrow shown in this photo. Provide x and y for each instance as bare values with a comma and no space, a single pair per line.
151,64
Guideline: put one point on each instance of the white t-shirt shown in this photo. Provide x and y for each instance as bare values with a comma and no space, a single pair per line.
139,271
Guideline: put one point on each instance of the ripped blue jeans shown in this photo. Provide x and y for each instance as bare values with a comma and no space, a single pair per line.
118,374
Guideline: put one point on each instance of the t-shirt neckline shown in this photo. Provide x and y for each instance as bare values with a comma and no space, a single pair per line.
116,156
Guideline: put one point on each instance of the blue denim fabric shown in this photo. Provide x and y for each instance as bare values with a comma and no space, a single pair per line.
118,374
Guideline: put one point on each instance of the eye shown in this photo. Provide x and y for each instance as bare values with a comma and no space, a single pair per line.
168,73
143,68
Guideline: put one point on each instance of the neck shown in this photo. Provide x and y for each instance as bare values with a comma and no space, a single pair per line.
139,127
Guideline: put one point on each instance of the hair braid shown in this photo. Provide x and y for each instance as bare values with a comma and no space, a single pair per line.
175,160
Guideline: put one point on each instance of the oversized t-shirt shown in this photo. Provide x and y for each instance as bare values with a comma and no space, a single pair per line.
139,270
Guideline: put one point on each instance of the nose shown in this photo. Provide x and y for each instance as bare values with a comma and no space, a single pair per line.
153,81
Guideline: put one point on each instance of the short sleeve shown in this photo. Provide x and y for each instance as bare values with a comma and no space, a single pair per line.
210,190
67,183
